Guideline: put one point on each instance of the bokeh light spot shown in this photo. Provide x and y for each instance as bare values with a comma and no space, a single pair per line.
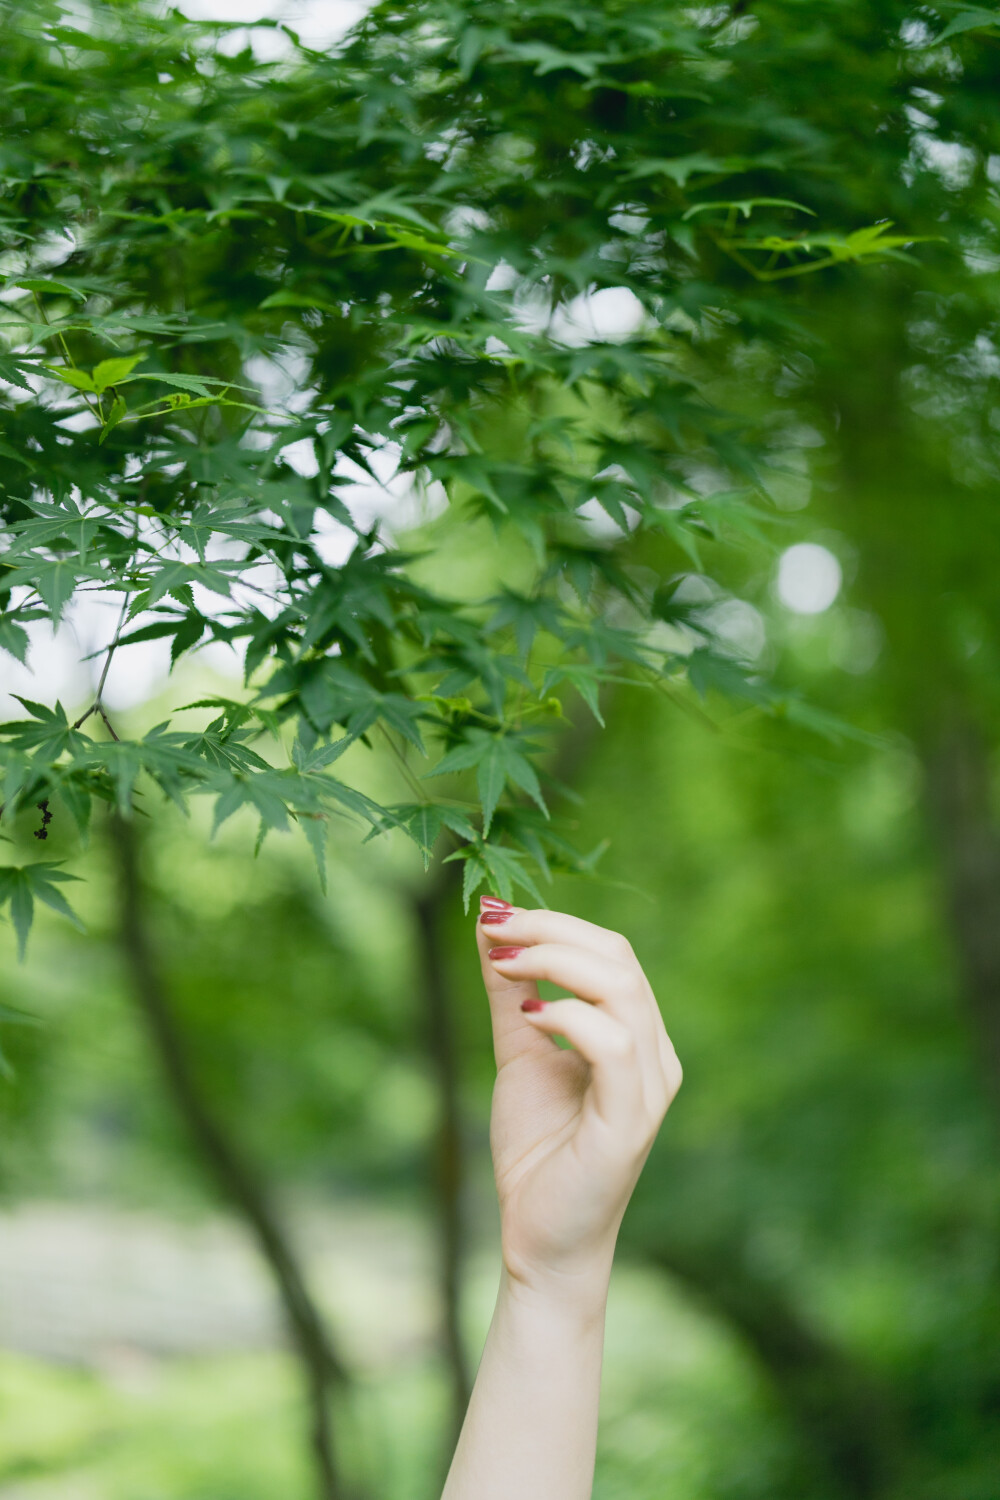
809,578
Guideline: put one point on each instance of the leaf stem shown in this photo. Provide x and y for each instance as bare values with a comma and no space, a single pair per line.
408,776
107,723
97,706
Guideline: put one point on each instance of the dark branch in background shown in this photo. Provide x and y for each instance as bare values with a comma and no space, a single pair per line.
840,1412
225,1161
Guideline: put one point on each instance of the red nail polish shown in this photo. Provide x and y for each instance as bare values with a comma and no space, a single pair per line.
492,916
496,903
498,955
533,1004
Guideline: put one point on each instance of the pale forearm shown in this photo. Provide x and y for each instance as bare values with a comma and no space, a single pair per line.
531,1428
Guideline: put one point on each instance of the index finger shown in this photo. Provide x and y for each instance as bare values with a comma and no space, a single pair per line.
512,1034
516,924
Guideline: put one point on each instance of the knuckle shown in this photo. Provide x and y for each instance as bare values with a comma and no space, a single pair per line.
621,1044
621,947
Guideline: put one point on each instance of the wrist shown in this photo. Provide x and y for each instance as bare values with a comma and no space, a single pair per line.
576,1275
579,1295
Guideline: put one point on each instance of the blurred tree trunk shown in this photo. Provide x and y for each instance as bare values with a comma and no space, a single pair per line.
840,1414
958,774
910,572
430,910
224,1159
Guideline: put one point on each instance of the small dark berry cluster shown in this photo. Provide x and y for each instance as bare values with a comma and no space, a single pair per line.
43,808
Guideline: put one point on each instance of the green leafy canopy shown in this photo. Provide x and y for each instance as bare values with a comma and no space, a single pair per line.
408,226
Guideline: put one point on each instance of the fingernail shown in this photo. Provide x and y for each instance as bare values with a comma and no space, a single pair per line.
496,903
533,1004
499,955
492,916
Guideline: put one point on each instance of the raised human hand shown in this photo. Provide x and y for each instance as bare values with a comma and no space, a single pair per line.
570,1129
